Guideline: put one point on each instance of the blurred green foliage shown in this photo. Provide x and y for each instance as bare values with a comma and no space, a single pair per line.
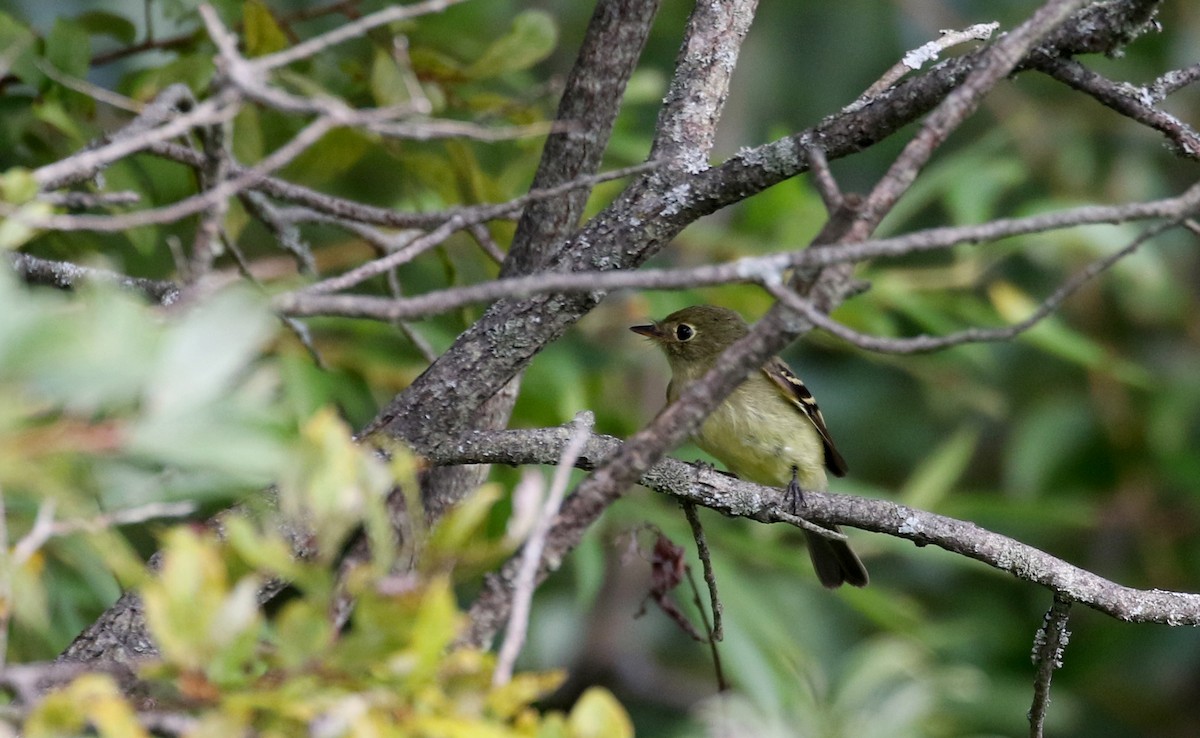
1079,438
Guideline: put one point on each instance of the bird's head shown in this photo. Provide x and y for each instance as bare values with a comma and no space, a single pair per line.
695,336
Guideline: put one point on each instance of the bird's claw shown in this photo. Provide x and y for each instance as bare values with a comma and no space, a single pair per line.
794,495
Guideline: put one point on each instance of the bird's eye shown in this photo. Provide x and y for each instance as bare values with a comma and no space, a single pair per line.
684,332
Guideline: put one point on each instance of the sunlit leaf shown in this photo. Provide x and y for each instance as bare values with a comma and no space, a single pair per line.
597,714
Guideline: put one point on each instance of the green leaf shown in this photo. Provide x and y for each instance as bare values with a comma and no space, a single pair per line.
436,626
335,484
234,634
17,186
69,48
182,600
263,35
388,86
206,350
248,143
463,524
532,37
92,700
1055,337
302,633
936,476
17,41
102,23
507,701
334,154
193,70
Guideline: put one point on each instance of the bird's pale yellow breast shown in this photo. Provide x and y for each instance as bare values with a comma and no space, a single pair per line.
761,442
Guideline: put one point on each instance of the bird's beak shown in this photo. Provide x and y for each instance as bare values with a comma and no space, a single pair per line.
649,331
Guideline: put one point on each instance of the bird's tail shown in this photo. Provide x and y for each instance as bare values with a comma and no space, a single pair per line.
835,562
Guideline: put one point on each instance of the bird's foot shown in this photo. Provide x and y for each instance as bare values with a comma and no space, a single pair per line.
702,464
794,495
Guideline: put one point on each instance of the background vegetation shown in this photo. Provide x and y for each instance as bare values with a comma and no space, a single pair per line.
1080,437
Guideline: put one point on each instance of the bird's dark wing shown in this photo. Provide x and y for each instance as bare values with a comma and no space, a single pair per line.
797,394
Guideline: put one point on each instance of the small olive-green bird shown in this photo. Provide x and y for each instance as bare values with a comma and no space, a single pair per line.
769,430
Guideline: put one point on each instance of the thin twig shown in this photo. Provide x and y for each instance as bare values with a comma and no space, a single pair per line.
714,635
46,527
925,343
65,275
455,222
215,110
1048,646
518,621
996,63
277,159
715,630
753,269
83,87
924,54
1136,103
351,30
823,180
1173,81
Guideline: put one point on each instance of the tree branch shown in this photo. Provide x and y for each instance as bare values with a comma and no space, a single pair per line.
1133,102
1048,646
706,487
764,269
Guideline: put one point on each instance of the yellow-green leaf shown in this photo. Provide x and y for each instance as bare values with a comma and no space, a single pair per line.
387,80
263,34
597,714
93,698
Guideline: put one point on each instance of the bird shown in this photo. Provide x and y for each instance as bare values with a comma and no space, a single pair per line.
769,430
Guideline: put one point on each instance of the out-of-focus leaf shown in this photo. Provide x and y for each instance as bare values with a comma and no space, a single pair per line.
14,229
69,48
330,157
54,113
387,80
92,699
335,484
597,714
531,38
17,186
193,70
930,482
521,691
247,135
103,23
451,537
1045,440
18,41
262,34
303,632
1054,337
235,636
265,553
205,351
436,626
182,601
